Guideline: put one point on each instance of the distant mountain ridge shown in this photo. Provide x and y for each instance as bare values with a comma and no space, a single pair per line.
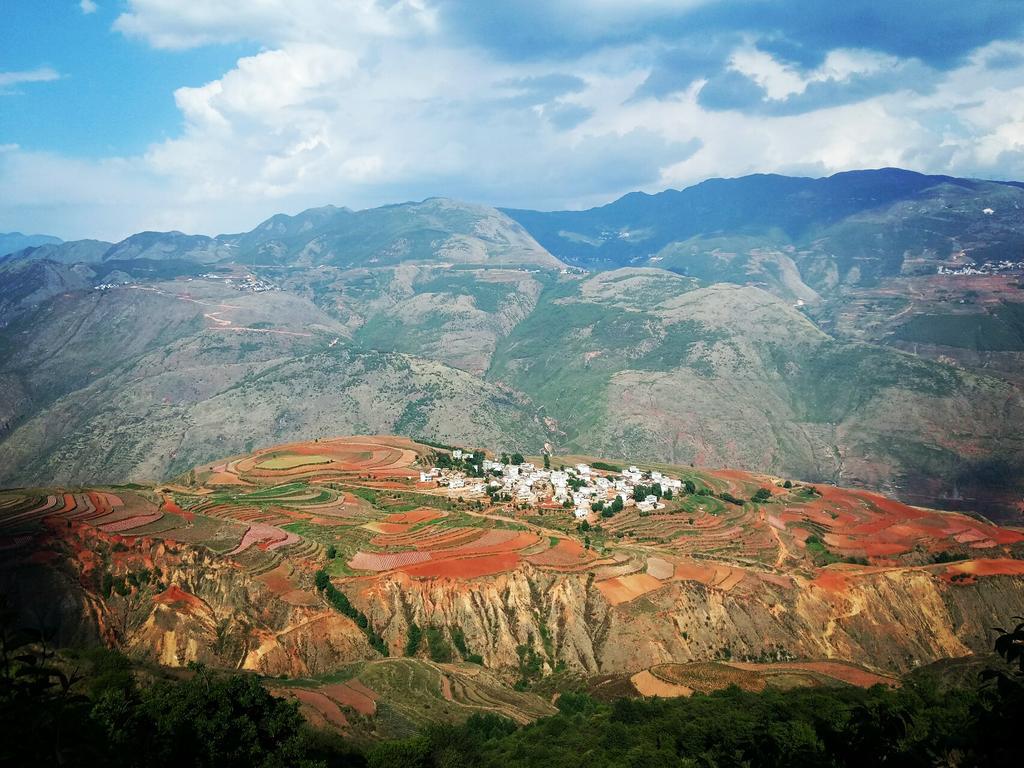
789,211
860,329
11,242
436,228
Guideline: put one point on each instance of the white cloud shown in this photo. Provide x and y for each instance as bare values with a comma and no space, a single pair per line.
362,103
173,24
38,75
88,6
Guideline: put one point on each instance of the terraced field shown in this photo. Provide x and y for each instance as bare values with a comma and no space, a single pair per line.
356,499
401,695
402,555
705,677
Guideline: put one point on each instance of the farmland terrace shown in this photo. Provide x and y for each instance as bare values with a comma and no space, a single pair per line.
346,551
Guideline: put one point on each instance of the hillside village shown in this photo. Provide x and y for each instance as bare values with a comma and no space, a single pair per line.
582,489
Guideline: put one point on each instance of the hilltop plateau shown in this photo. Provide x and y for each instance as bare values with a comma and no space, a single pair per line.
395,583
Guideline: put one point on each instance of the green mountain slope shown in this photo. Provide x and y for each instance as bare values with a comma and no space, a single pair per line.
448,321
732,376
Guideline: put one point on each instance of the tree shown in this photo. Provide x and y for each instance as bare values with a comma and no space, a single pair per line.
517,459
690,487
412,643
761,495
547,461
332,552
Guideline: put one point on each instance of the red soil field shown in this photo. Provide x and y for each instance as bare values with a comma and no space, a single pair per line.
565,553
178,598
128,523
170,505
465,568
266,535
847,673
622,589
322,705
372,561
999,567
353,694
415,516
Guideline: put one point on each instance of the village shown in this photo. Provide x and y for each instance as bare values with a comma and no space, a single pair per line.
988,268
581,489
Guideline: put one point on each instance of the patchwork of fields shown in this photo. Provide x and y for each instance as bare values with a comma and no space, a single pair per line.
352,507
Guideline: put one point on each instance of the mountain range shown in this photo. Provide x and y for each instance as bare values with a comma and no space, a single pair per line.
864,329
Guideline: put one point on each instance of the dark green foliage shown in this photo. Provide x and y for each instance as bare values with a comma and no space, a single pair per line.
332,552
788,484
459,640
231,720
604,466
530,663
437,645
995,330
412,643
340,602
726,496
762,495
517,459
819,552
100,715
948,557
689,486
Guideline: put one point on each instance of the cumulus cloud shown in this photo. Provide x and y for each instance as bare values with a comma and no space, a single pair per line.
536,104
88,6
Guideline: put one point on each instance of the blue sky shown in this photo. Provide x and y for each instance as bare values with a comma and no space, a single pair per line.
122,115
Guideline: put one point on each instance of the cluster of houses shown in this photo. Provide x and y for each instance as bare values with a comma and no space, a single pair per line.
580,488
988,268
247,282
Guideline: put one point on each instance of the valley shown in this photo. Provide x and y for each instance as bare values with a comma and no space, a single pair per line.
759,338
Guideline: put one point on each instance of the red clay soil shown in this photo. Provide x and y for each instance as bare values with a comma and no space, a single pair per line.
420,515
130,522
170,505
353,694
375,561
998,567
832,580
178,598
622,589
847,673
322,705
466,567
566,552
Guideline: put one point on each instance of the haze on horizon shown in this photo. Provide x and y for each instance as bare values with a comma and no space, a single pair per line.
117,117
